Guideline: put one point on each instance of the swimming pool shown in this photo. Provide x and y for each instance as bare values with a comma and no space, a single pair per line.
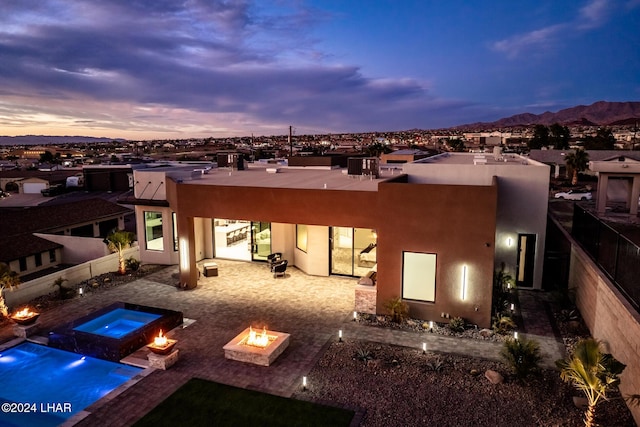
115,331
43,386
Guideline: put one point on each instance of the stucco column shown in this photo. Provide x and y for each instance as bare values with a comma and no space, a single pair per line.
603,184
187,251
635,195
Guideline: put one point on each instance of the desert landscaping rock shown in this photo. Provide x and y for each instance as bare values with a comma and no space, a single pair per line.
494,377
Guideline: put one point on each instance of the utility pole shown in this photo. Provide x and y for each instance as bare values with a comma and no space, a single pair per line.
290,142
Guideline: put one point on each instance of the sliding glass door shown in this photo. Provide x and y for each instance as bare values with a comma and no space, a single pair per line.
353,250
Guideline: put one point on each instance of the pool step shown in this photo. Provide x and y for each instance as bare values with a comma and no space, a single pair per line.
38,339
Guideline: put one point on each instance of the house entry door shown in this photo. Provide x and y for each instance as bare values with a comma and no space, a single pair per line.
526,260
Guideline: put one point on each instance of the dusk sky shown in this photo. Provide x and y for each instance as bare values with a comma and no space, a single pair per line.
167,69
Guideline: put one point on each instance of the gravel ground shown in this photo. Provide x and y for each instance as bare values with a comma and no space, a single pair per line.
399,386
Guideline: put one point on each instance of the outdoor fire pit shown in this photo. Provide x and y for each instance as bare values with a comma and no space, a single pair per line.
25,317
161,344
259,348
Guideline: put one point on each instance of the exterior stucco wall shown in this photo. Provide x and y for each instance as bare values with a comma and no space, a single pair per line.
456,223
316,260
167,255
522,201
77,249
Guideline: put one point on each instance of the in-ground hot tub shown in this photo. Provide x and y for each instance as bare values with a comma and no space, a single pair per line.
115,331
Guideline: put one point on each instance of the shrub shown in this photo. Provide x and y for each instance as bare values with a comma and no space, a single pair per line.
522,356
132,264
502,285
503,324
398,309
456,324
64,292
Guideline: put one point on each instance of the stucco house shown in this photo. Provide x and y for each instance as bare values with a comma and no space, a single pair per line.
434,233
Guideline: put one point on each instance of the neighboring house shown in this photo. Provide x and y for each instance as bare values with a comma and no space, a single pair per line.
24,242
435,233
108,177
32,181
618,182
556,158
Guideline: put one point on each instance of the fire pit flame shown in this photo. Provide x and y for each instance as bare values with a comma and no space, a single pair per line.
160,340
25,316
260,340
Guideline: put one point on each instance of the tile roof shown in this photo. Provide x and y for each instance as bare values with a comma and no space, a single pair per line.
17,225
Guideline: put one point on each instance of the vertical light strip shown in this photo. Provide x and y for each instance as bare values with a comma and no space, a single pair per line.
463,287
184,255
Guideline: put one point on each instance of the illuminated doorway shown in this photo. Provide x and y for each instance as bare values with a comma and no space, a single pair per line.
526,260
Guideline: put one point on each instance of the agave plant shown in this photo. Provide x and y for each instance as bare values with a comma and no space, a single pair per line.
363,354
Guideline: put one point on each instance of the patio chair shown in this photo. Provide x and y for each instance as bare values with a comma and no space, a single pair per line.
280,268
273,258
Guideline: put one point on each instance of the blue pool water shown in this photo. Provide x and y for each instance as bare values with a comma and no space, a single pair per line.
53,385
117,323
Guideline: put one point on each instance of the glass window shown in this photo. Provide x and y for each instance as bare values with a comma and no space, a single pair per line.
175,231
419,276
52,255
301,237
153,231
38,259
23,263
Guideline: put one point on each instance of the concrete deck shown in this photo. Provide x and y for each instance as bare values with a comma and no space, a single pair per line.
311,309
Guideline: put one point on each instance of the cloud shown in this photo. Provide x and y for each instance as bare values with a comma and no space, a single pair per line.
127,64
536,40
592,15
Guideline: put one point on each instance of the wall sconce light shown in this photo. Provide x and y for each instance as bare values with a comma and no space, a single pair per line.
515,335
509,241
424,348
463,283
304,383
340,335
184,255
513,307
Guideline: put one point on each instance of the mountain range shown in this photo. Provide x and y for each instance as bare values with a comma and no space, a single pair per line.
43,139
601,113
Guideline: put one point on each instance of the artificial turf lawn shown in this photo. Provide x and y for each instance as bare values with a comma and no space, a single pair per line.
205,403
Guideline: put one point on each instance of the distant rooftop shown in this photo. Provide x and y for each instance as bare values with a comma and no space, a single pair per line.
476,159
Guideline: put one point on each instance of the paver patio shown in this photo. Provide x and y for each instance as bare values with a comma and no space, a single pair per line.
311,309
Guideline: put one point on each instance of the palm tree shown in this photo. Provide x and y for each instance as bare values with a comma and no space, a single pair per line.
577,161
8,280
118,241
593,372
